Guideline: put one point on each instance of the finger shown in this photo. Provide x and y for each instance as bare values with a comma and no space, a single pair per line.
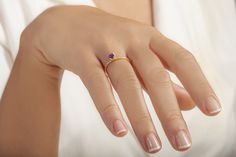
100,90
184,99
185,66
129,90
159,87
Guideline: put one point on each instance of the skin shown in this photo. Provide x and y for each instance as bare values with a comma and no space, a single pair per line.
61,39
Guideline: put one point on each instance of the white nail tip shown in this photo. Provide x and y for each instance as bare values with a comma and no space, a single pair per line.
213,105
119,127
215,111
182,140
152,143
184,146
121,131
154,149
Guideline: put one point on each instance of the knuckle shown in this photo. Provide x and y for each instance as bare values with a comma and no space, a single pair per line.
142,118
158,75
127,82
179,54
182,55
173,116
203,84
139,35
131,79
107,109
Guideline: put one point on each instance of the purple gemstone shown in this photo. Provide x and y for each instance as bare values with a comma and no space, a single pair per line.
111,55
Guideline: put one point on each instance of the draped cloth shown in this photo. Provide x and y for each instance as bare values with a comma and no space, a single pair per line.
206,28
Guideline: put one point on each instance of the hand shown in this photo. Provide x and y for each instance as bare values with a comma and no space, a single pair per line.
79,39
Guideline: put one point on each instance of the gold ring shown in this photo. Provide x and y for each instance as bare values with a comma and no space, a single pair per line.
112,58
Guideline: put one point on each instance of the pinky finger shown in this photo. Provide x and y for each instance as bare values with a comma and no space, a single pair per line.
184,99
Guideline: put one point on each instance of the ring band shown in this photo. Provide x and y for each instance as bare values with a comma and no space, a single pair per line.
112,59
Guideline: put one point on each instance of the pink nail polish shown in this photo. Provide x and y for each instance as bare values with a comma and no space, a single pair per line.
152,143
213,105
182,140
119,127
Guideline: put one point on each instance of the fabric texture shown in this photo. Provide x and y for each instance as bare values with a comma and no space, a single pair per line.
206,28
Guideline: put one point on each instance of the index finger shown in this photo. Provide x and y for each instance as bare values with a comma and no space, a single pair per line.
185,66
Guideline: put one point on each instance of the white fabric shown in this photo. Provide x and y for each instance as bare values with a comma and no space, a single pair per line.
206,28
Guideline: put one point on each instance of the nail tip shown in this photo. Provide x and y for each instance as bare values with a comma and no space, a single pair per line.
119,128
185,147
215,111
213,106
153,145
183,141
121,132
154,150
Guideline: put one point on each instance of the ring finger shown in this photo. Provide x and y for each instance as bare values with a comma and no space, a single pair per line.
127,85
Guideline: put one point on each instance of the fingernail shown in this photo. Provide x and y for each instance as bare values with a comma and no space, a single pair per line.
213,105
182,140
152,143
119,127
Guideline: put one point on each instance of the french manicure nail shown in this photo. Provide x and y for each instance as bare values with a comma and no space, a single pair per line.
119,127
182,140
213,105
152,143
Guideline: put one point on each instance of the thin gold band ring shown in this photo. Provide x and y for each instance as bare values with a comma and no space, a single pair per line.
112,59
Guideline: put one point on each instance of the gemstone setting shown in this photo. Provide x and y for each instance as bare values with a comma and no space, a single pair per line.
111,56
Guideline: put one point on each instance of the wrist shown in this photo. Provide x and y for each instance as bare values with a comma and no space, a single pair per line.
30,107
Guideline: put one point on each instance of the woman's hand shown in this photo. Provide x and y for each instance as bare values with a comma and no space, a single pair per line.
80,38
